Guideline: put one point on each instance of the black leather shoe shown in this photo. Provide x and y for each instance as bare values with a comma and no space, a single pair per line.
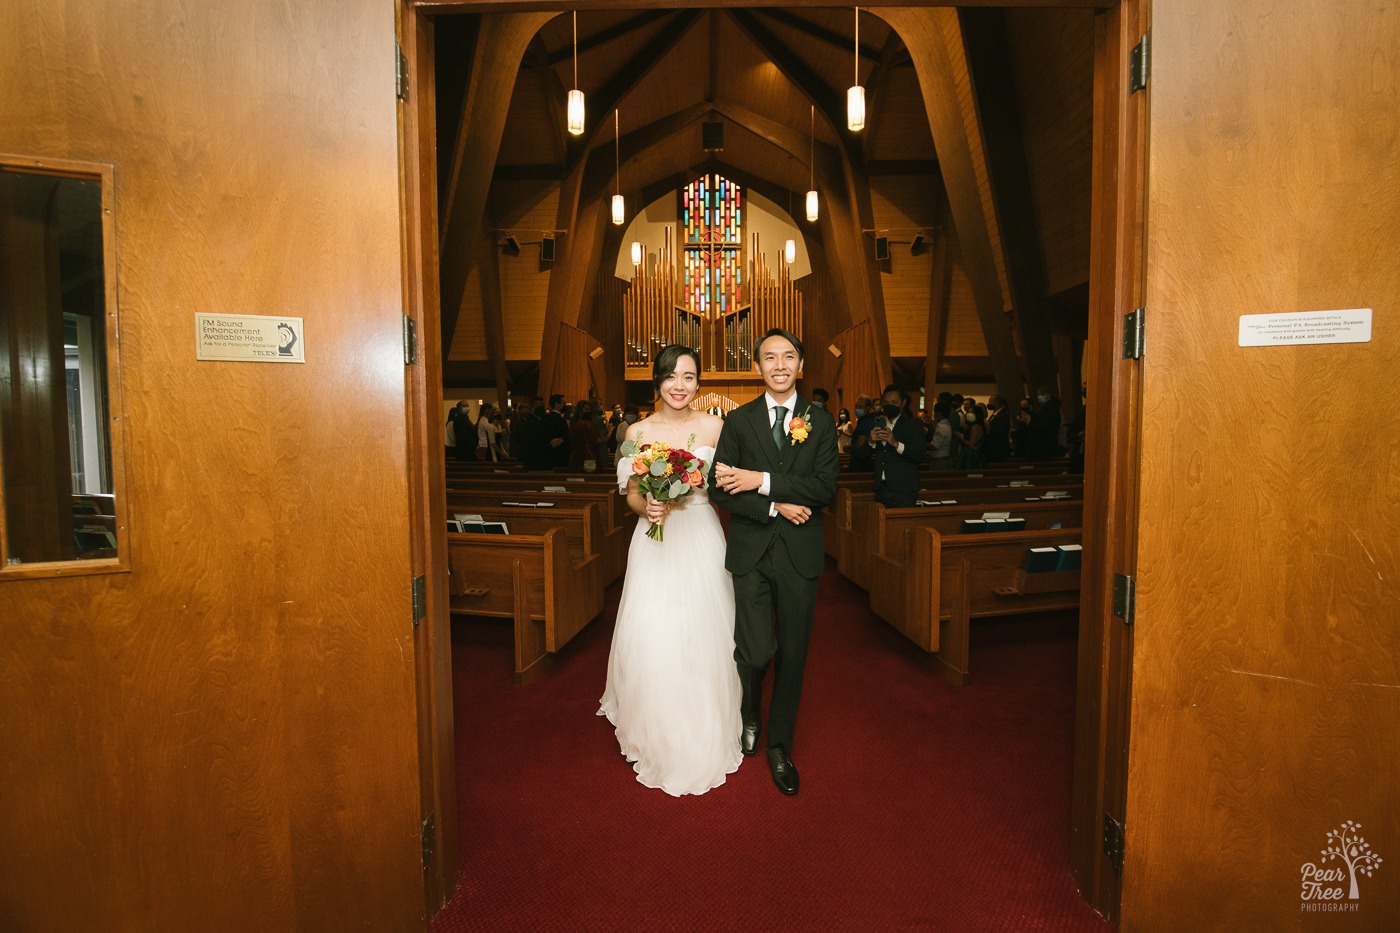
748,739
784,772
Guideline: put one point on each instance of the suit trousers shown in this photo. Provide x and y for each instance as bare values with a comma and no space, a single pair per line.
773,608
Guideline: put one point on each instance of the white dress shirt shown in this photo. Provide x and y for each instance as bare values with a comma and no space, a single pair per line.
764,488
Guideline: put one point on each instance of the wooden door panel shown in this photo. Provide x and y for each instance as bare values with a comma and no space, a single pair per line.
225,737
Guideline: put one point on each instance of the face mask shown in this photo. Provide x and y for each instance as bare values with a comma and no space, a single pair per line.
891,411
860,412
819,404
1042,399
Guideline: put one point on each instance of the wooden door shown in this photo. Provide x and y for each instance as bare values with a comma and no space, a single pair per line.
1265,711
223,737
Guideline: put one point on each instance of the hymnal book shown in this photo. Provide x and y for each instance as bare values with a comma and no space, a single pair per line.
544,505
927,502
950,501
454,525
1020,482
510,503
990,515
574,479
474,528
1056,494
500,471
1015,524
1070,557
554,489
496,528
1041,559
1033,498
972,526
465,517
994,525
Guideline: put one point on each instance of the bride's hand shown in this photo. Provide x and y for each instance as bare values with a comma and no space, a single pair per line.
657,511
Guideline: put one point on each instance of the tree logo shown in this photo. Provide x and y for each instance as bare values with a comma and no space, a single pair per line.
1323,887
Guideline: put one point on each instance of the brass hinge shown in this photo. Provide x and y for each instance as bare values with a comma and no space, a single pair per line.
1113,842
400,72
420,599
429,840
1134,333
410,341
1140,65
1124,597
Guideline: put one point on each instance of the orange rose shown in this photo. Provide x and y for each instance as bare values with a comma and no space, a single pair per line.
639,466
695,478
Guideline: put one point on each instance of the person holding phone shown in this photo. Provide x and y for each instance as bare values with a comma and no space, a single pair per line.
898,440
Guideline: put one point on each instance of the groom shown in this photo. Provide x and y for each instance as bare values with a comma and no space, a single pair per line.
774,477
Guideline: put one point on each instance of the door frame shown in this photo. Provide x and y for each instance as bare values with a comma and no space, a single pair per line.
1116,274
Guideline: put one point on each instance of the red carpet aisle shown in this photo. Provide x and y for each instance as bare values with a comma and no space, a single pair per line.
922,806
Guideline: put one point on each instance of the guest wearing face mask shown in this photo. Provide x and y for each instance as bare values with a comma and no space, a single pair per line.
996,446
898,439
1044,434
941,441
820,398
845,427
1021,431
862,453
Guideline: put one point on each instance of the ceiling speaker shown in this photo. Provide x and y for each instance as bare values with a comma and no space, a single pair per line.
712,135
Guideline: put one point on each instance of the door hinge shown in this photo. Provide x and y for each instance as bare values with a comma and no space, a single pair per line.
1134,333
420,599
1113,842
410,341
429,839
1140,65
1124,597
400,72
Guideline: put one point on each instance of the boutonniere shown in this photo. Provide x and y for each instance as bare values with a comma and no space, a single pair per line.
798,427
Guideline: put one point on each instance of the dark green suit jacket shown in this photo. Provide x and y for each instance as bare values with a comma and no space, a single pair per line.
803,474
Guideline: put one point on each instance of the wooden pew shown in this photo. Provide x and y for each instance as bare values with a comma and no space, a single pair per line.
847,513
949,580
531,579
528,487
582,521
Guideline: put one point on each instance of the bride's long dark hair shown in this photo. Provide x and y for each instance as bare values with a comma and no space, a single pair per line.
666,363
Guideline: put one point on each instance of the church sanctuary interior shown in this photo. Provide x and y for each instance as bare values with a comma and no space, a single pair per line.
253,252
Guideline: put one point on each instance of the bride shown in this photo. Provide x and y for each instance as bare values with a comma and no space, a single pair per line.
673,689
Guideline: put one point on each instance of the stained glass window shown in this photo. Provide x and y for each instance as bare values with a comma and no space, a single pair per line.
712,214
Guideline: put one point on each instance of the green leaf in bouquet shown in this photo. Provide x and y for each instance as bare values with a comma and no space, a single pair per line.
677,487
658,468
627,448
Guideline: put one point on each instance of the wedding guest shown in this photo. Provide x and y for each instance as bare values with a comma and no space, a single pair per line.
996,446
583,440
862,454
845,428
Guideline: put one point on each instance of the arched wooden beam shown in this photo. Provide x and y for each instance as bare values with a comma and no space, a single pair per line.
500,44
923,34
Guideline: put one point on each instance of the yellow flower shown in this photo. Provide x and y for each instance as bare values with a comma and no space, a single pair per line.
797,429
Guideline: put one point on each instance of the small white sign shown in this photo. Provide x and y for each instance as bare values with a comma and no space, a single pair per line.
249,338
1295,327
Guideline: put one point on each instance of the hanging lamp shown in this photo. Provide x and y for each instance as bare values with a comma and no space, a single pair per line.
575,96
619,211
811,172
790,246
855,94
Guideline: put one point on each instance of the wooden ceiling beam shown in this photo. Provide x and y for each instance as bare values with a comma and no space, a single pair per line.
994,91
836,39
828,101
923,33
878,81
554,96
500,44
489,273
603,36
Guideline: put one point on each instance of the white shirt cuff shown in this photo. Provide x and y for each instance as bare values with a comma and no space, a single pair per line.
763,489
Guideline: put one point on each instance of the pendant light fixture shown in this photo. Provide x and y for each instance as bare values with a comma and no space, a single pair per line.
619,211
855,94
811,172
575,95
790,247
636,252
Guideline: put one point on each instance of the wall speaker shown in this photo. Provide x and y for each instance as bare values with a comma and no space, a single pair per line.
712,135
547,248
512,247
882,248
917,246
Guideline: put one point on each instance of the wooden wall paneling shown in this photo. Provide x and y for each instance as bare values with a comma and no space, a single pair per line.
999,114
500,45
427,483
940,285
902,204
1111,457
523,209
1266,664
923,34
226,736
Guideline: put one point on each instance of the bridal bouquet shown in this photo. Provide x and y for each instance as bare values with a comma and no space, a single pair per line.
665,473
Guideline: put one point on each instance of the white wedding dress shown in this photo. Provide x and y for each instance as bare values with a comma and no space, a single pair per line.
673,689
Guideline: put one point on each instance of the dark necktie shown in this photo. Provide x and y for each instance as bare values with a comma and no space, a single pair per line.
779,412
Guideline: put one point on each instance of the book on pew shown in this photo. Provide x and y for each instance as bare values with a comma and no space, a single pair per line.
1033,498
972,526
495,528
474,528
993,525
1070,557
574,479
1019,482
500,471
554,489
1056,494
1014,524
1041,559
465,517
992,515
454,525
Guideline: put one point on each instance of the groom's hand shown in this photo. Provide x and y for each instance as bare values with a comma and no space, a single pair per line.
734,480
797,514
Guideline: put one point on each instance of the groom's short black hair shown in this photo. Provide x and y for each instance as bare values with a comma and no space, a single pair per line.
778,332
666,360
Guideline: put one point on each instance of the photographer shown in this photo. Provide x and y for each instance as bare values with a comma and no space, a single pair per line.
898,442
